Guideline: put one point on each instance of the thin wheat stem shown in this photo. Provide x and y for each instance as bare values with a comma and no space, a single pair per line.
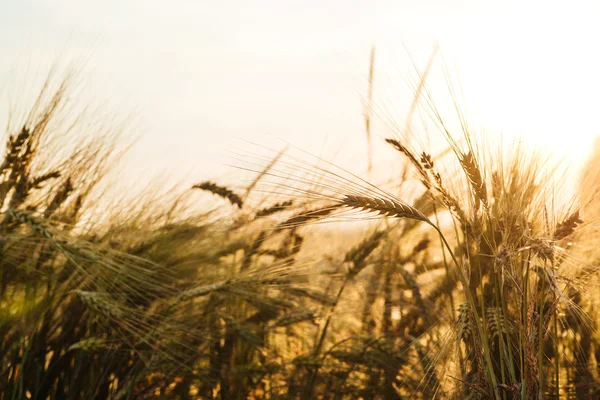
471,300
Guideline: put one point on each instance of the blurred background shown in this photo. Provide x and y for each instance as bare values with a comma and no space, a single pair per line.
193,80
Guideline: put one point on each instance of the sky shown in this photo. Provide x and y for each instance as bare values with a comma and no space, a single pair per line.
196,79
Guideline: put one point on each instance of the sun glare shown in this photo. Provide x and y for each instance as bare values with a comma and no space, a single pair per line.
526,70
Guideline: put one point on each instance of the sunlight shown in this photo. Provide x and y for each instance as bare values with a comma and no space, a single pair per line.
528,74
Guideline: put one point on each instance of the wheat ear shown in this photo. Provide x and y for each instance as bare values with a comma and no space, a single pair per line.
390,208
220,191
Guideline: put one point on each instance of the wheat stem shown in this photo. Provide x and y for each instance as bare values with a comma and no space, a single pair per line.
471,300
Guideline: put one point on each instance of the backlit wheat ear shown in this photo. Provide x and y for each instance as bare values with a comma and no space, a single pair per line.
568,226
413,160
37,182
274,208
220,191
385,207
469,165
359,254
307,217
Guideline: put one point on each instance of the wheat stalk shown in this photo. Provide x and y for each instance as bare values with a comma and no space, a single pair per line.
368,108
401,210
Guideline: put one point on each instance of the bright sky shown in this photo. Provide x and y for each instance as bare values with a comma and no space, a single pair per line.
199,74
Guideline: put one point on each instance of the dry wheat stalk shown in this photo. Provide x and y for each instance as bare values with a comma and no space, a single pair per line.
264,172
368,108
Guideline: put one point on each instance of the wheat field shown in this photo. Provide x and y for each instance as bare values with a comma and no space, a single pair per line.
464,278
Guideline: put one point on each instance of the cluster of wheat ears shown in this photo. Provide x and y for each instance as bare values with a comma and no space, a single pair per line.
469,281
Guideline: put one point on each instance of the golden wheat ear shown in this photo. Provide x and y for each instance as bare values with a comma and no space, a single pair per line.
475,177
385,207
